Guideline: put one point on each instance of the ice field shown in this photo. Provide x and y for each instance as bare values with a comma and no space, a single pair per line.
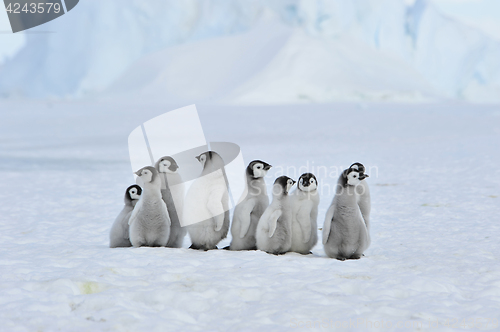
434,256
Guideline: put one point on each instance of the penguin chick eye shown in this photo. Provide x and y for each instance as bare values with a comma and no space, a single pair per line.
354,176
311,181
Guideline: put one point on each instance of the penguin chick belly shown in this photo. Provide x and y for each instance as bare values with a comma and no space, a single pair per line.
348,226
152,223
297,244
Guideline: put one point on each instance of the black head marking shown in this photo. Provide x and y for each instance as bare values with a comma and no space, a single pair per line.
252,163
359,167
153,171
207,154
306,179
283,181
173,164
343,177
127,192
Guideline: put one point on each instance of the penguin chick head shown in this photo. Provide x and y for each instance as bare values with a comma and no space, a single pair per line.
166,164
307,182
353,175
359,167
258,169
211,161
134,192
147,174
282,185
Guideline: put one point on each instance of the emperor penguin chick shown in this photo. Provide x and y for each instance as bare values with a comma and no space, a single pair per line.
363,192
118,236
274,230
149,222
206,208
304,201
172,193
248,212
345,235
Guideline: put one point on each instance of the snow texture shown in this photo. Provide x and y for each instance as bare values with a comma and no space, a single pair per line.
257,52
435,186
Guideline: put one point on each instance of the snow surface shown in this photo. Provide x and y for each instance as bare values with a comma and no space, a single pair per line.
435,184
337,50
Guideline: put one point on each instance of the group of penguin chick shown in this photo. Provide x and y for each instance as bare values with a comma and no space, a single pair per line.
288,223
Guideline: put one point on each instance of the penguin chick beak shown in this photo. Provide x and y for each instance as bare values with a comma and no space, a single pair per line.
294,182
197,158
137,173
363,176
267,168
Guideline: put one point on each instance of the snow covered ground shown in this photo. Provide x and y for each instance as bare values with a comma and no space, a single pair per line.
435,185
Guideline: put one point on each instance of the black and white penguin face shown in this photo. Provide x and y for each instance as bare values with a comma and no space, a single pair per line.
167,165
358,167
134,192
307,182
354,177
258,169
147,174
282,185
202,158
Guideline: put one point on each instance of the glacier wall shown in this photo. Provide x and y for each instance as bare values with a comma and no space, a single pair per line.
94,46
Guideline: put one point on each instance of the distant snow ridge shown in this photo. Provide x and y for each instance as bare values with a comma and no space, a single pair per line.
274,51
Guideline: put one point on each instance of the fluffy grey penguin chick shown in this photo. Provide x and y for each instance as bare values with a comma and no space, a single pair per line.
274,230
172,193
118,236
149,222
248,212
305,201
207,200
345,235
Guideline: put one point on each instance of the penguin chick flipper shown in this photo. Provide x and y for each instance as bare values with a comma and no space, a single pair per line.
126,235
244,217
134,212
214,205
273,222
304,219
328,223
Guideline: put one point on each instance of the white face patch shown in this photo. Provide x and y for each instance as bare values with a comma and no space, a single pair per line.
289,185
146,176
353,178
312,185
133,194
258,171
164,166
203,159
